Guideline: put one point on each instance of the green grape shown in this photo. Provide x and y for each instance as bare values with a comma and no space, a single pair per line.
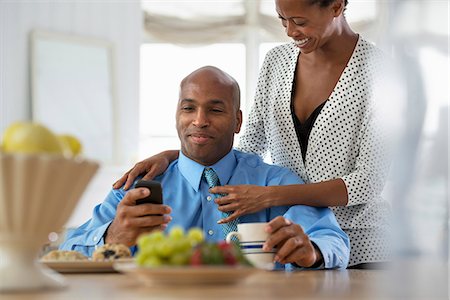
149,250
141,258
157,236
149,239
180,258
165,248
182,245
195,236
152,261
144,241
176,232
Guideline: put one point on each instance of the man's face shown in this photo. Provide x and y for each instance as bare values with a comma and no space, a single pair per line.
207,118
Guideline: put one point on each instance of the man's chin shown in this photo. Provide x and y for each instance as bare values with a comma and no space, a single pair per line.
198,153
206,155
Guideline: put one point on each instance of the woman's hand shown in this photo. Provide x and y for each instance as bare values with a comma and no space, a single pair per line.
292,244
152,166
241,200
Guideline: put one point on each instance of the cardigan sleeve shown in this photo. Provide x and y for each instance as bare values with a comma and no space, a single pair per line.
380,134
367,180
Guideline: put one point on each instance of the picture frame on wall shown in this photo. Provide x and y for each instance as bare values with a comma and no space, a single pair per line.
73,90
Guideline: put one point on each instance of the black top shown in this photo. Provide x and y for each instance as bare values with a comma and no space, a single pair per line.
304,129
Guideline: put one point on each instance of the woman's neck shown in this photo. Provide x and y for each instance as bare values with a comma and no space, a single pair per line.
338,48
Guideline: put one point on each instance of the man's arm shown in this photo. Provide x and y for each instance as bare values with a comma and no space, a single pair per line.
118,220
321,226
85,238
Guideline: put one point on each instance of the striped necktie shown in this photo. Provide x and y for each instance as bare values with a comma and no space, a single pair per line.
213,180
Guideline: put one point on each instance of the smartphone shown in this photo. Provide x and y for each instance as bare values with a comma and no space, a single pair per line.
155,192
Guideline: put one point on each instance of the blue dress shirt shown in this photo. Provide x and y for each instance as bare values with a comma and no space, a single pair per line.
186,192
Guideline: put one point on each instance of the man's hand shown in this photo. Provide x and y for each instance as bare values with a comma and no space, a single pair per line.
132,220
292,244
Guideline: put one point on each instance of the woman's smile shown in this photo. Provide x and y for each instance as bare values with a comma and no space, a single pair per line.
301,43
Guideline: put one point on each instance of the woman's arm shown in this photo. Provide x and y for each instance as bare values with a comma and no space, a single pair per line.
322,194
152,166
246,199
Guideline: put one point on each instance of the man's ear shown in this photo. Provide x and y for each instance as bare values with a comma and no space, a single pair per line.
238,121
338,7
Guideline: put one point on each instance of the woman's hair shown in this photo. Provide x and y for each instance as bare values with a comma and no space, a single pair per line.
325,3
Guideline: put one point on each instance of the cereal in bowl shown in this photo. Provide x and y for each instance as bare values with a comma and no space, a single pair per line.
63,255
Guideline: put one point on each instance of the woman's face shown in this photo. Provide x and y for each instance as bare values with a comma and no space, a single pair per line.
310,26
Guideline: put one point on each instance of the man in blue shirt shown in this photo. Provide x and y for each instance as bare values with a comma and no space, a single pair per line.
208,116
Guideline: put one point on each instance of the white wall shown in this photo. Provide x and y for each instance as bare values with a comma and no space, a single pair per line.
119,22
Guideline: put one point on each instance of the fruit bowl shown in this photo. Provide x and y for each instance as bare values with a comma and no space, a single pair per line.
186,275
38,193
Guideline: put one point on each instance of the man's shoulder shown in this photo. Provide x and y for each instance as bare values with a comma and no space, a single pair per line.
250,159
254,163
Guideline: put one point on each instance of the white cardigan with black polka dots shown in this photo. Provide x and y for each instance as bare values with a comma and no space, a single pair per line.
343,143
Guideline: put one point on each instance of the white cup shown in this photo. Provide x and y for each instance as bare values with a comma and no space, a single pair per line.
251,238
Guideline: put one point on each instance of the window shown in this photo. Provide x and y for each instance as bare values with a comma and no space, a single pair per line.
181,36
163,66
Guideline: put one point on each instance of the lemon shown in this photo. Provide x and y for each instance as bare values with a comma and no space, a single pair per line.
27,137
70,144
9,132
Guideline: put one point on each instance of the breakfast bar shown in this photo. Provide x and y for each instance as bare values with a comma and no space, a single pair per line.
344,284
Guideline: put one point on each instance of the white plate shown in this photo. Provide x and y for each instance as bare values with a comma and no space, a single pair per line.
186,275
83,266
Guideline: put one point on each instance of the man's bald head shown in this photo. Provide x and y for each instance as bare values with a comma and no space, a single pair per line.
220,77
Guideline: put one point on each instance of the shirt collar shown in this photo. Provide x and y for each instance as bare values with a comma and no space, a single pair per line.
193,171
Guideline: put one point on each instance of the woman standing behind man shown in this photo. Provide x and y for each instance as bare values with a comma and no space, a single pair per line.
314,112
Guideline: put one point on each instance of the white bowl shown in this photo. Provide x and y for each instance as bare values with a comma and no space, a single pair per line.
37,195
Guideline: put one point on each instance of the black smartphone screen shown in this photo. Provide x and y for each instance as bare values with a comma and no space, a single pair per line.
155,192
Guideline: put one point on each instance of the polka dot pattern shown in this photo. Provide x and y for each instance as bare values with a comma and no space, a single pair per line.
345,141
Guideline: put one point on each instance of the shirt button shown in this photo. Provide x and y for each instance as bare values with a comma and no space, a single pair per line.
95,238
209,198
210,232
